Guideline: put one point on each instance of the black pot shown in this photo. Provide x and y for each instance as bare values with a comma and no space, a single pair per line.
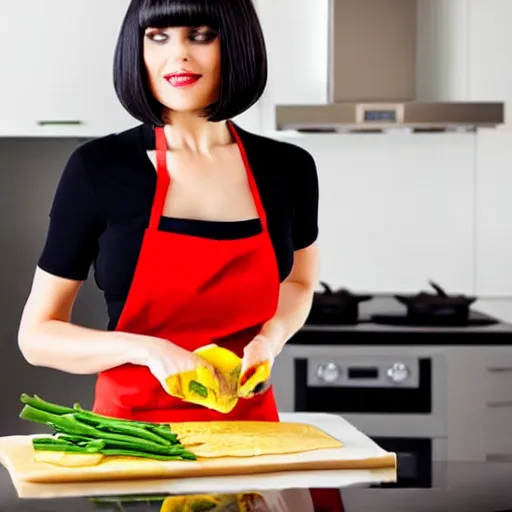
340,307
439,306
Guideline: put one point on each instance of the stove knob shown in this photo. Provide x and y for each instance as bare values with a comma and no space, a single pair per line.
398,372
329,372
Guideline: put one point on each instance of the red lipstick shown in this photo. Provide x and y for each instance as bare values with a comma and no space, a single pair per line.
182,78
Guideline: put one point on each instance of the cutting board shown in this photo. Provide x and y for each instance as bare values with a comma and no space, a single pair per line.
358,452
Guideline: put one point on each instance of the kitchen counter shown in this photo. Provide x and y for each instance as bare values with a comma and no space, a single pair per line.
497,334
457,486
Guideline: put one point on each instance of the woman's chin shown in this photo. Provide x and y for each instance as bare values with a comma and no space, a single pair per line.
188,108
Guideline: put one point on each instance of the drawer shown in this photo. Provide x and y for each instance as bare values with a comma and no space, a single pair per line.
498,428
498,385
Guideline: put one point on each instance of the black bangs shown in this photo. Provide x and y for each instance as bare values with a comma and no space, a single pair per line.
176,13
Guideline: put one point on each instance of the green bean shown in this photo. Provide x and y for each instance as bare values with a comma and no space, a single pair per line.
82,431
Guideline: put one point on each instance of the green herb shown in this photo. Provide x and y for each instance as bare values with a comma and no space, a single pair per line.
202,506
198,388
235,372
81,431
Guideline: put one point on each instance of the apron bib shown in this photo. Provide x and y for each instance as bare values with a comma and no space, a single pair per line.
192,291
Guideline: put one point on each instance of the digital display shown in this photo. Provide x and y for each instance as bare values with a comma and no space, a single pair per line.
363,373
380,116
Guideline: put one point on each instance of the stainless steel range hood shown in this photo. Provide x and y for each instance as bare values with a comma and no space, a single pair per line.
372,77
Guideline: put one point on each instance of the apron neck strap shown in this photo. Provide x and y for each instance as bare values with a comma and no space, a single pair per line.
163,179
252,182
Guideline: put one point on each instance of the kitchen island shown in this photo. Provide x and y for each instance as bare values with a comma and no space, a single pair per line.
354,460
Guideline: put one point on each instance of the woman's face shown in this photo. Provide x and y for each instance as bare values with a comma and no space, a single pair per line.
183,66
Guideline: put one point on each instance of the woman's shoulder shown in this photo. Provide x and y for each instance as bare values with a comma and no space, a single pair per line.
110,159
271,153
109,149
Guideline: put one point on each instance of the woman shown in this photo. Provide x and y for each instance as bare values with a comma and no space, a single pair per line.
199,231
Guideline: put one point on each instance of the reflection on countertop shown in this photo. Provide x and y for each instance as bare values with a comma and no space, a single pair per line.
468,486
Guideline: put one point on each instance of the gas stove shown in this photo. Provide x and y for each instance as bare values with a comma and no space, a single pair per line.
341,317
423,309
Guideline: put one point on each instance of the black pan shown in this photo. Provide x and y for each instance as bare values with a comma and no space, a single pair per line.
440,304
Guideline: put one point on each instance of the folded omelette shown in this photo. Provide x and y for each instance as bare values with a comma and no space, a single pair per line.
201,387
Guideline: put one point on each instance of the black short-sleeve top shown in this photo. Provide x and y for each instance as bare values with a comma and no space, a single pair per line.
103,202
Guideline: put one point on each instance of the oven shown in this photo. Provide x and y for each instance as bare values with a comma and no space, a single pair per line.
363,384
396,398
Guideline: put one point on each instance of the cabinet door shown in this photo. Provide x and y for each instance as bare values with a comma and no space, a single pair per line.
57,68
296,34
490,52
498,412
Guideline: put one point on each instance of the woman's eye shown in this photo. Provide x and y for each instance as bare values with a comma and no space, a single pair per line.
157,37
203,37
196,36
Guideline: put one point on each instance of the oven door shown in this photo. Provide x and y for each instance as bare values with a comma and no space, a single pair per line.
414,461
368,385
390,398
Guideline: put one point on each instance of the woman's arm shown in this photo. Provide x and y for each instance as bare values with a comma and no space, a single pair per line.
47,338
296,291
295,298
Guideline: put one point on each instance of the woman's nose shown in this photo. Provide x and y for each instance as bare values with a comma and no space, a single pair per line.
180,51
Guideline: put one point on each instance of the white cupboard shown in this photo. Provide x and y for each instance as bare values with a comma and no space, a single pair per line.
297,53
57,68
490,52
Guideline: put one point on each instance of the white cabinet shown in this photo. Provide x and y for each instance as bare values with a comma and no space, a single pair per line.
494,213
442,50
490,52
57,68
296,33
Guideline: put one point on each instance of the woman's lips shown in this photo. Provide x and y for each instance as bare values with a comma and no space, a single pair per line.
182,79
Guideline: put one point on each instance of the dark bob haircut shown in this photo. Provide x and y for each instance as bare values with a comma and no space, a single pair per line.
242,46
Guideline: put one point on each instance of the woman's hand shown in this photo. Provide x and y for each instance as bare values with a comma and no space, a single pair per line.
257,365
164,360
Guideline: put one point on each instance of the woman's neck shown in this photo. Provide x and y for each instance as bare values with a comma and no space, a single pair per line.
191,133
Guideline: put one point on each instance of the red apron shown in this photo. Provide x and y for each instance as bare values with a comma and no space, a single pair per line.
327,500
192,291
